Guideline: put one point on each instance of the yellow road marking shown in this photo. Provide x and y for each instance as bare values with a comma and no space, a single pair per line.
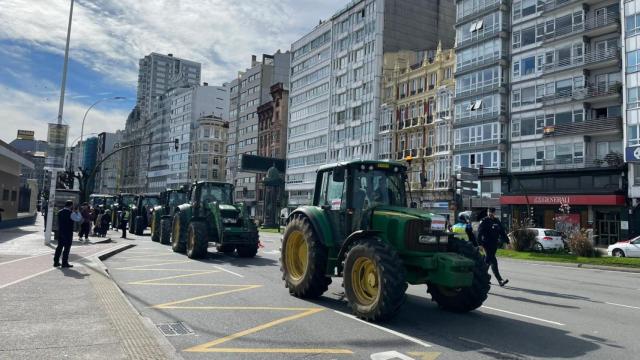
206,346
235,308
171,262
274,351
165,269
142,256
426,355
241,288
142,282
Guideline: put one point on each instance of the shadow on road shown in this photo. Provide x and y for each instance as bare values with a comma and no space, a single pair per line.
13,233
549,294
73,273
221,259
530,301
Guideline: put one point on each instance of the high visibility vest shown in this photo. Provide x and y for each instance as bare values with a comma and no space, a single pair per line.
460,231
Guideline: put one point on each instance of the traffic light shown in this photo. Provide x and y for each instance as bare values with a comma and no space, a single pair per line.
176,144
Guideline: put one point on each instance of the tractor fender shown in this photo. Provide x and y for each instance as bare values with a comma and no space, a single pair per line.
352,239
318,221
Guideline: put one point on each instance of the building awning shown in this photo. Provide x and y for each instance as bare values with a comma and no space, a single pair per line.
616,200
9,152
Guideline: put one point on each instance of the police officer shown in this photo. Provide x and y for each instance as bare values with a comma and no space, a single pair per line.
490,232
463,229
124,220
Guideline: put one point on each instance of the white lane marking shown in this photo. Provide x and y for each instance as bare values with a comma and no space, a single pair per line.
228,271
26,258
272,252
524,316
27,278
577,268
390,355
626,306
398,334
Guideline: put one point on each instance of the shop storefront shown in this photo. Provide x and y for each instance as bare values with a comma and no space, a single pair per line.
606,215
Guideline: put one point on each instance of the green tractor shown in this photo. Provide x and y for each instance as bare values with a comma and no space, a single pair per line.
140,214
360,228
123,200
211,217
162,215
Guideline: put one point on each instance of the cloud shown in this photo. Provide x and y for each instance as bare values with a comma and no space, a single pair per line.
110,36
21,110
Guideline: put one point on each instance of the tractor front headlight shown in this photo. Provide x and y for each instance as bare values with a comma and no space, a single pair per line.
432,239
229,221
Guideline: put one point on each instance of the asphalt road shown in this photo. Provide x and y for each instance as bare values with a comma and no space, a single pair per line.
239,309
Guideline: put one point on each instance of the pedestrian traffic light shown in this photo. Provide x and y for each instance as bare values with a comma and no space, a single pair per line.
176,144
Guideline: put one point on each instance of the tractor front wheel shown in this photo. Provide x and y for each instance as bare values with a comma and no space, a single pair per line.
177,244
165,231
139,229
155,228
198,241
303,260
374,280
465,299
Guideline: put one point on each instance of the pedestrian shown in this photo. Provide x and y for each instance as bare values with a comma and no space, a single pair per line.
124,220
85,226
463,229
490,232
65,236
45,212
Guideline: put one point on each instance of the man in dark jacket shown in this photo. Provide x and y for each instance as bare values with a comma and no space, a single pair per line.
490,232
65,236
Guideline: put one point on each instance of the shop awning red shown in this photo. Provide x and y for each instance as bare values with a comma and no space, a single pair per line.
615,200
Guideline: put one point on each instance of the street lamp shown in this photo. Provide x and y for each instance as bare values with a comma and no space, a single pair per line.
91,107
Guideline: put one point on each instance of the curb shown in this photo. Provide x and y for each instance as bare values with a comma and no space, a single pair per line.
149,342
576,265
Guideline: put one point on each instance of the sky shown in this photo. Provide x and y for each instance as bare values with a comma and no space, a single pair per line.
108,37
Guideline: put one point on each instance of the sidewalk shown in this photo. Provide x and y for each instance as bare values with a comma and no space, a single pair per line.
78,313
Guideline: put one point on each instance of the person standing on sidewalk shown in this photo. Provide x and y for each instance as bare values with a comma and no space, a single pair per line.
65,236
490,232
85,226
124,220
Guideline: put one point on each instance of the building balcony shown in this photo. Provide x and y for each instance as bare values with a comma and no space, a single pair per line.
497,58
480,88
488,7
592,60
593,25
482,116
410,123
599,126
479,144
488,33
602,92
401,155
609,161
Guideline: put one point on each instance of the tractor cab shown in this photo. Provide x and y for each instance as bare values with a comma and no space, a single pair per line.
140,217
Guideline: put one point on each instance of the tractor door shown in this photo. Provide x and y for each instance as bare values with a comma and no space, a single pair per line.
333,201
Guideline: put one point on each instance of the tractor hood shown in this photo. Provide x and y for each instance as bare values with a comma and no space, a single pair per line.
437,221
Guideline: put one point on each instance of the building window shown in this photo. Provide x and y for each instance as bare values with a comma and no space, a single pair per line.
632,24
633,61
5,195
14,195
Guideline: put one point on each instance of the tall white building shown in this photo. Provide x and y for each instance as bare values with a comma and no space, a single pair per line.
631,105
107,175
158,73
336,81
186,106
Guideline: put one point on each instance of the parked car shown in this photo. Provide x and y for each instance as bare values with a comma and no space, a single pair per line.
627,248
547,239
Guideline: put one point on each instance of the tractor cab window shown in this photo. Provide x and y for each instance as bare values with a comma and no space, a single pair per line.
128,200
377,187
177,198
150,201
333,190
216,193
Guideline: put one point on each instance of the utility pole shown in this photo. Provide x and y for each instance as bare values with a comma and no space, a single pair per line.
54,166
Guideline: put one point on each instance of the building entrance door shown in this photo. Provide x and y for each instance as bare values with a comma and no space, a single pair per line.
607,228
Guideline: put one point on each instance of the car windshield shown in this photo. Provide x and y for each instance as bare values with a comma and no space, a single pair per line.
378,187
177,198
150,201
216,192
552,233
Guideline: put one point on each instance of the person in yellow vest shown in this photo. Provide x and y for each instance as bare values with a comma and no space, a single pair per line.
463,229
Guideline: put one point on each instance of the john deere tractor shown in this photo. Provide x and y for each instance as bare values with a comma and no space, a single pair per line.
140,214
359,228
122,200
162,215
211,217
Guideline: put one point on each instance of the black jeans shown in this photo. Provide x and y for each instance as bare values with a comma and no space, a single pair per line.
491,259
85,228
64,247
123,224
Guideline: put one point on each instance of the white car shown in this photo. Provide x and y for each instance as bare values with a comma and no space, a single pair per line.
547,239
628,248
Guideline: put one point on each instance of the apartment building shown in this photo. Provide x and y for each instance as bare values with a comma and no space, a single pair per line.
158,73
336,81
208,149
481,95
416,121
106,177
248,91
566,119
185,107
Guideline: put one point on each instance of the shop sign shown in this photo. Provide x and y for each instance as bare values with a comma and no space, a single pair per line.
551,200
615,200
633,154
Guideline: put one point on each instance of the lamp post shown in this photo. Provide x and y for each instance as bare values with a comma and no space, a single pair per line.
91,107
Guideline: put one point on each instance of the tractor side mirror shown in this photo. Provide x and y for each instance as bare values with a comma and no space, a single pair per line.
338,174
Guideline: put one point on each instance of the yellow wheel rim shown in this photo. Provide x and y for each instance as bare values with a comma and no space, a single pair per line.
192,239
365,281
176,232
153,224
297,255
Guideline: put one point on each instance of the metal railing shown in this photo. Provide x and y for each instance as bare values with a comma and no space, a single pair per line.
612,160
590,91
481,114
469,65
487,85
591,22
485,33
589,58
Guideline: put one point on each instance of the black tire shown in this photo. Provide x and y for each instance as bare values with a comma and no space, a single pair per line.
140,225
313,282
537,247
165,231
391,282
226,249
132,226
198,240
462,300
618,253
155,228
178,243
247,251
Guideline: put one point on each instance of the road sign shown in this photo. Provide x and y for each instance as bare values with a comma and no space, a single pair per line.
57,143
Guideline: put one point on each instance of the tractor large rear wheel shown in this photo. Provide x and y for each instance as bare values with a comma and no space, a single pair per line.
155,228
303,260
374,280
469,298
165,231
247,251
198,241
177,235
140,225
